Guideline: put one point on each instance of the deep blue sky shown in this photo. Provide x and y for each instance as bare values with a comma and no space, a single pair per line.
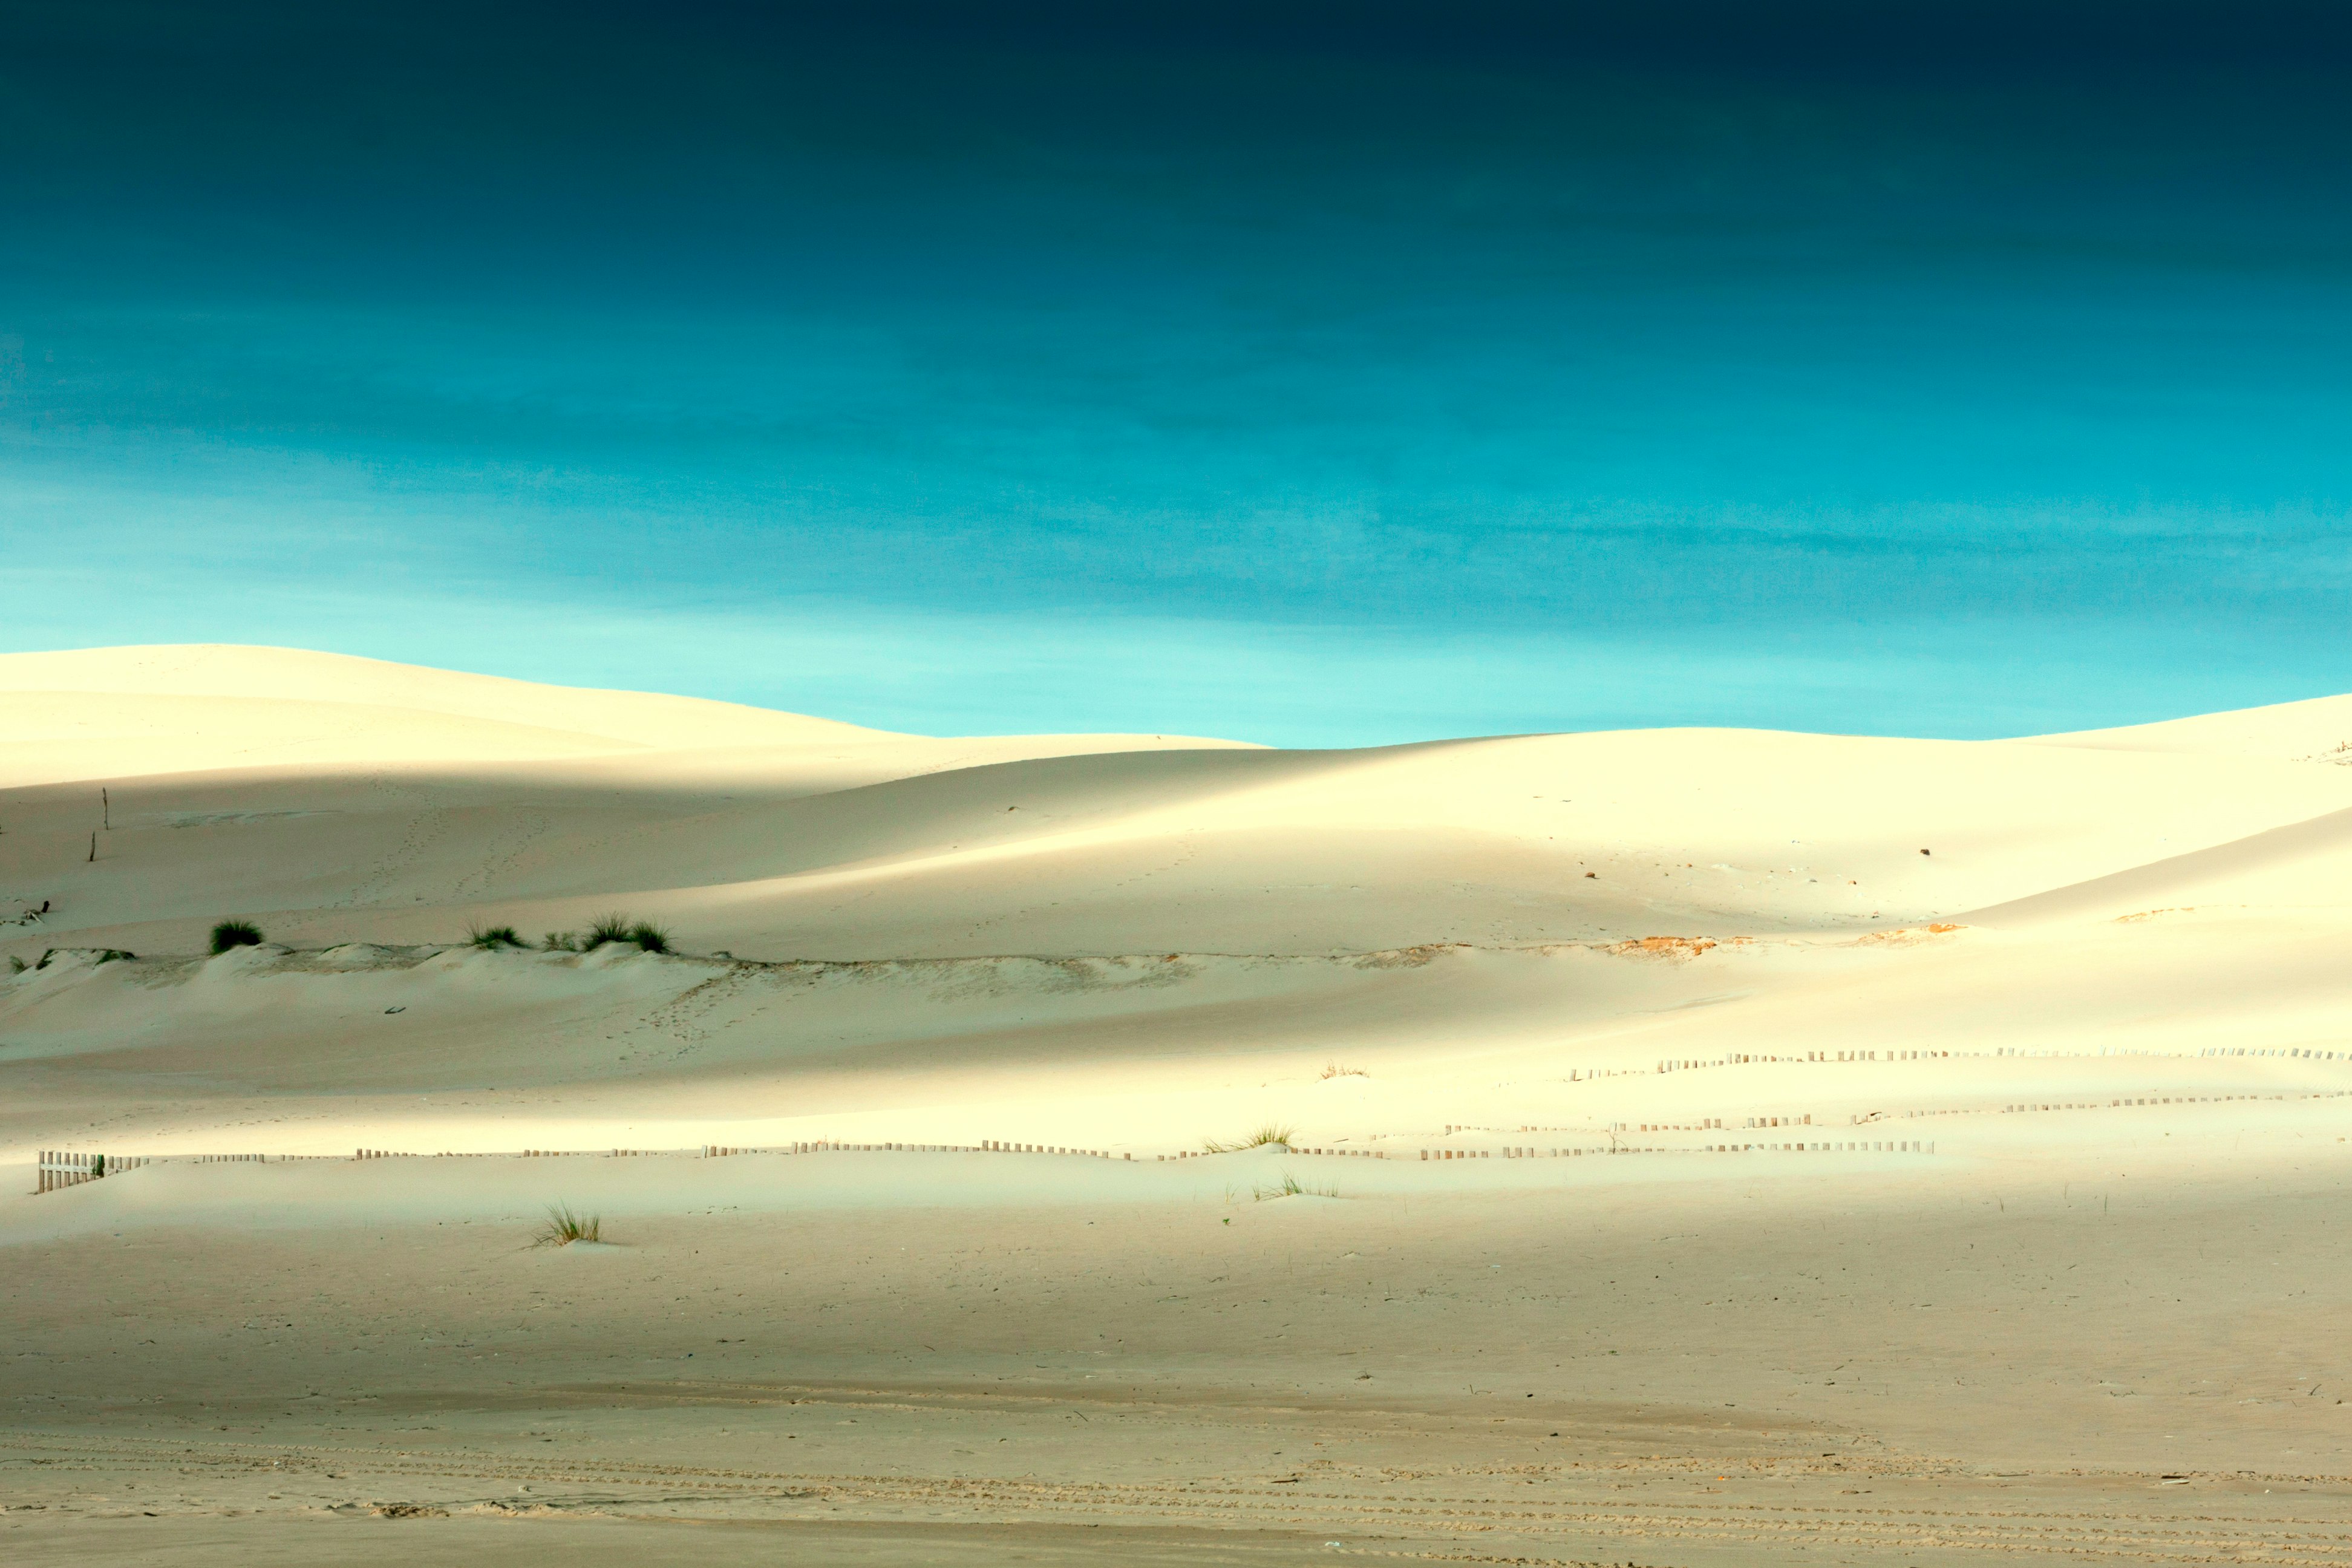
1309,373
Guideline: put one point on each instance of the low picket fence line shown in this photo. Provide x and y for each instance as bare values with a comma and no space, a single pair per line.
1286,1148
1803,1058
60,1169
1522,1151
64,1169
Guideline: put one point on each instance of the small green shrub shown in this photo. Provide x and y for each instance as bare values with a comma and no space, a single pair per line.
561,942
649,936
110,954
235,933
17,965
492,937
563,1227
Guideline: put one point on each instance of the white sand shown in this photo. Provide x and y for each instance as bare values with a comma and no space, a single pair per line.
1130,945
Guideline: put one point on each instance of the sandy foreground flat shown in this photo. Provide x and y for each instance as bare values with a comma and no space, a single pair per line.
1682,1166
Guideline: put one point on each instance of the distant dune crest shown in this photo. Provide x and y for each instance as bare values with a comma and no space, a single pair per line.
2318,730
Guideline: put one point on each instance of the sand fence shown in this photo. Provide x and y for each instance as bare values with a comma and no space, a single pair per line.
60,1169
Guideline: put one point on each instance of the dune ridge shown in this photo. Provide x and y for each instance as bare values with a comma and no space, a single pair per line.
1086,907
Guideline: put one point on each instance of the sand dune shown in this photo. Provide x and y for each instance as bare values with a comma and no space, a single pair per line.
288,705
2318,730
846,844
1798,1022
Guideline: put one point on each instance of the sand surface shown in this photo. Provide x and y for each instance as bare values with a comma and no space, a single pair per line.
1682,1166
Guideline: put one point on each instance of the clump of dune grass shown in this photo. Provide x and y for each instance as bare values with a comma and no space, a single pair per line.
613,927
235,933
563,1227
1273,1134
1333,1069
562,941
492,937
620,928
17,965
1291,1186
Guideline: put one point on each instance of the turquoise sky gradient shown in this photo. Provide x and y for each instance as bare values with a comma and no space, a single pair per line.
1308,375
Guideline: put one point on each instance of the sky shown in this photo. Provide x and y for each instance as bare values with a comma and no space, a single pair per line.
1310,373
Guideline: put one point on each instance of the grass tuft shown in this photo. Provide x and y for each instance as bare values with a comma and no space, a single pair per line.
17,965
563,1227
562,941
1272,1133
492,937
620,928
615,927
1291,1186
1333,1069
235,933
